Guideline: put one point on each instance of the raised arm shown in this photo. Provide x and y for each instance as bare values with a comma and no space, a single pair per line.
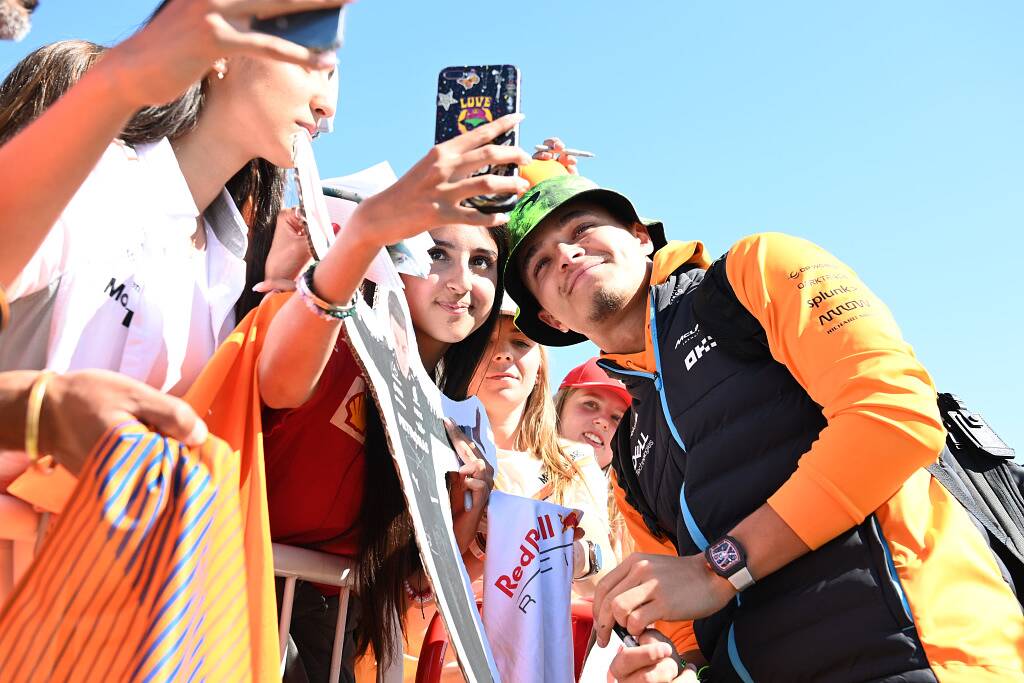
428,196
43,166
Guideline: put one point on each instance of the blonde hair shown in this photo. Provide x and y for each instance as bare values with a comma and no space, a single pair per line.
561,396
538,434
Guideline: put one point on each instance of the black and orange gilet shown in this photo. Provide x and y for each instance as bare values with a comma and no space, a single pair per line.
833,432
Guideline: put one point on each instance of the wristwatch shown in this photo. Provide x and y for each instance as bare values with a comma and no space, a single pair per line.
727,558
592,560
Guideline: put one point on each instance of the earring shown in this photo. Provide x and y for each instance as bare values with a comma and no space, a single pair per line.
220,67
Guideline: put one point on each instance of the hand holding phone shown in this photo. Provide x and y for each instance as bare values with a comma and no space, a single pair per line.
469,97
320,30
431,193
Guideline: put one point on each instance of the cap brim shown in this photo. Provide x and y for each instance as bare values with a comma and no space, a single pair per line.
527,319
621,392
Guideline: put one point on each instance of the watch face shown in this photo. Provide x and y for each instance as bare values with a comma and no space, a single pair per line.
725,555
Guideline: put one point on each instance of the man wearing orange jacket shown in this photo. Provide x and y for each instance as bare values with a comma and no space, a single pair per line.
810,542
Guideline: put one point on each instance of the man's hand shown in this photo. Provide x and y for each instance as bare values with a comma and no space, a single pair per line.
80,407
648,588
652,661
558,153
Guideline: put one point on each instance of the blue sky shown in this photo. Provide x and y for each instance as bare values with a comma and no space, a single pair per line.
890,133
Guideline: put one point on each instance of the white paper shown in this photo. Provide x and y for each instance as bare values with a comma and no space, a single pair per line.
595,669
409,256
471,416
314,206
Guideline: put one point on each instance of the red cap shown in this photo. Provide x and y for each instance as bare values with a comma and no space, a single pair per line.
591,376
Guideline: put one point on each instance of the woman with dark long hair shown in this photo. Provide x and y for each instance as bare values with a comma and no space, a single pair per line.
38,80
331,483
42,167
147,268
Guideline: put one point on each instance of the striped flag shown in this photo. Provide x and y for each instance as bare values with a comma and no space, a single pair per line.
143,577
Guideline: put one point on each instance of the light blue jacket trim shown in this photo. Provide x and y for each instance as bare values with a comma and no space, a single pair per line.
734,657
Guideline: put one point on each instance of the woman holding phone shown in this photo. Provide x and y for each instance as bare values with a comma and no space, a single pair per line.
332,486
144,271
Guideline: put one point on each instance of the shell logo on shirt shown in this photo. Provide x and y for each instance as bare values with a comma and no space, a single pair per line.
350,417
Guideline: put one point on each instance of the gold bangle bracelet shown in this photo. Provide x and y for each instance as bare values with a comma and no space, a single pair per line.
35,408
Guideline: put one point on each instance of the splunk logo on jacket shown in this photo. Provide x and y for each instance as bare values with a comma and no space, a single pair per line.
534,557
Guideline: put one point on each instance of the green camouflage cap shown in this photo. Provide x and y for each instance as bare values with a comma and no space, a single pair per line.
529,212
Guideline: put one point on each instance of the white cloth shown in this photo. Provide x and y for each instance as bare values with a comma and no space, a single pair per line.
599,661
527,584
114,283
522,474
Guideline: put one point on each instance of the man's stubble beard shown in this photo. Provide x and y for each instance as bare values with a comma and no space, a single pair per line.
14,21
606,304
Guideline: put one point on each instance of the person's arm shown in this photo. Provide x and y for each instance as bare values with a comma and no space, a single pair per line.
79,407
842,345
679,632
430,194
43,166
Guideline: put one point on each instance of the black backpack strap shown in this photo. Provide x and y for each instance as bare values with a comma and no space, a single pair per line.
952,476
722,316
974,492
976,467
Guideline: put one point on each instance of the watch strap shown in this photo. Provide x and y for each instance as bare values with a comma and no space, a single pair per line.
742,579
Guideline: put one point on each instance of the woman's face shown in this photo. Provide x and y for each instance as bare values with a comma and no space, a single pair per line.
508,372
265,102
590,416
457,296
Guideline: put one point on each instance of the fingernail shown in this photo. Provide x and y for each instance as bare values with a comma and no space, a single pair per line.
664,650
518,116
326,60
467,501
200,432
501,217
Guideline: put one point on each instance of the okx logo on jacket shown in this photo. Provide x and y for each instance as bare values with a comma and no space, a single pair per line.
527,586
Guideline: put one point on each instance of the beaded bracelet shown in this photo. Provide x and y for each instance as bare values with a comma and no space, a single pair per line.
319,307
419,598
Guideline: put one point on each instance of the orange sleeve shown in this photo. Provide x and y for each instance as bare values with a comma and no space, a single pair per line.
679,632
844,348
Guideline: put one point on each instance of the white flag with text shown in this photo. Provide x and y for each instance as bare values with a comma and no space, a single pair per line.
527,587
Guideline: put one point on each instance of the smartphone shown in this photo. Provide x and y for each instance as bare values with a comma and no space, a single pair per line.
470,96
320,30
